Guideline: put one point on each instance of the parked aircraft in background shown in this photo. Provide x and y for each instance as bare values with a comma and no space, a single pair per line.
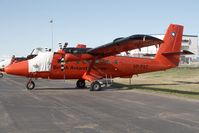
97,64
3,63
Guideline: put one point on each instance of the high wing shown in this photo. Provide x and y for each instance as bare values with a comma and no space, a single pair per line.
124,44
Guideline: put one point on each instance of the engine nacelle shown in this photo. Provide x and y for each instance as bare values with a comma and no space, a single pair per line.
77,57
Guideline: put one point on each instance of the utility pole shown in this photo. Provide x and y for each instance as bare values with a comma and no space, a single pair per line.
51,21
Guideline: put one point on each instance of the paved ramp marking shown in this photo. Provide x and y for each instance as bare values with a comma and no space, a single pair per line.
168,117
181,123
131,101
89,126
15,82
4,80
23,88
5,119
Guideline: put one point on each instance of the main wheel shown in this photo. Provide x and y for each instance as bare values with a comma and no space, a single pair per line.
30,85
1,75
81,83
95,86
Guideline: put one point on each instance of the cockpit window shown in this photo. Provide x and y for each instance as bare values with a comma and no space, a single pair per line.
76,50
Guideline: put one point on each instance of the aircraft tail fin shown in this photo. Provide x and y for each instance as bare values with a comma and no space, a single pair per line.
169,51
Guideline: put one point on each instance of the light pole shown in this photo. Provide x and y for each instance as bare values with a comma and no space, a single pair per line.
51,21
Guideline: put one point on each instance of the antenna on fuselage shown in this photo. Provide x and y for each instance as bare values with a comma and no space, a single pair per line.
60,45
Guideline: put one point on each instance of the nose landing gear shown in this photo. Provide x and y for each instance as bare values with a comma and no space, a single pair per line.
1,75
30,85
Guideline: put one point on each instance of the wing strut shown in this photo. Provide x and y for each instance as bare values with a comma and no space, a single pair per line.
90,76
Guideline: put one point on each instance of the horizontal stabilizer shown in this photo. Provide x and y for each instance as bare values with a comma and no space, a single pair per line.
149,55
186,52
183,52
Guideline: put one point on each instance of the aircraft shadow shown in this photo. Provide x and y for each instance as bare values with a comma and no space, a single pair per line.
118,86
123,87
187,82
44,88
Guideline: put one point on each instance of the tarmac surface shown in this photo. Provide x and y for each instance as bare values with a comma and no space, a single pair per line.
58,107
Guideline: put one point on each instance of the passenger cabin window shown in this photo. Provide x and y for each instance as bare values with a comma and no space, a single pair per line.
59,61
116,62
84,61
89,61
97,61
107,61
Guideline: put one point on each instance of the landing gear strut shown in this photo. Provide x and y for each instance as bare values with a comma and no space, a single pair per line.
1,75
95,86
81,83
30,85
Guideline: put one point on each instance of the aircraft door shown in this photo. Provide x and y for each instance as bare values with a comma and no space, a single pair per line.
58,66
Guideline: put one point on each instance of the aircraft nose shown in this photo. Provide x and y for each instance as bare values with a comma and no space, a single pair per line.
20,68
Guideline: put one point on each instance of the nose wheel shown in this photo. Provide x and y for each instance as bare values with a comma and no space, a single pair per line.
1,75
81,83
30,85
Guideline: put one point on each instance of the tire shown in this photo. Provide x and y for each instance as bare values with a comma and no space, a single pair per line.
1,75
95,86
81,83
30,85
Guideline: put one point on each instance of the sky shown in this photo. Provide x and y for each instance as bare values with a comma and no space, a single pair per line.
25,24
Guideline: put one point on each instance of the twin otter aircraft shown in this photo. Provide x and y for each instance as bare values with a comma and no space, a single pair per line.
96,65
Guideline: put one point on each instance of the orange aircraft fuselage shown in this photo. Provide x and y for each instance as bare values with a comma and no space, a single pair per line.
113,66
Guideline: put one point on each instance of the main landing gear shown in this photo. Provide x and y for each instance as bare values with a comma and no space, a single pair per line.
30,85
95,86
99,84
1,75
81,83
